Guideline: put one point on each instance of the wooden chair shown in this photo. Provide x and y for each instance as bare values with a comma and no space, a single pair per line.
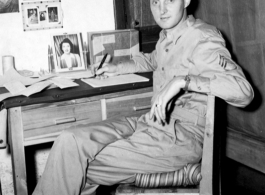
200,176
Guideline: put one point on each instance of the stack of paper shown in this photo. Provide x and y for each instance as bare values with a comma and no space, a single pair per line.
116,80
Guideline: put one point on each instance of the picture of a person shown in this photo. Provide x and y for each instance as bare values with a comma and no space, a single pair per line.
68,59
53,15
42,16
33,16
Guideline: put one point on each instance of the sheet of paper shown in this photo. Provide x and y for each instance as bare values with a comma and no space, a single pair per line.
14,87
76,75
63,83
117,80
35,88
13,75
5,96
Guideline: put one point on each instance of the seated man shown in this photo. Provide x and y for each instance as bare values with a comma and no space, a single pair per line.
191,57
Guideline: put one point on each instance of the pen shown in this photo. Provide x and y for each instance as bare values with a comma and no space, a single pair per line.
102,61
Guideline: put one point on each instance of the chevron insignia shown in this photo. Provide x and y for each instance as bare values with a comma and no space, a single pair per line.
226,63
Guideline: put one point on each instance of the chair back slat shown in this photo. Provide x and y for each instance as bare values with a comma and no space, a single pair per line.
206,184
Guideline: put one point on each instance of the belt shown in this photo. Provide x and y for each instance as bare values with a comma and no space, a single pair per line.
181,113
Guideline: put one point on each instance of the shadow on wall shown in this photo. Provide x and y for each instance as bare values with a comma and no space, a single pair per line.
193,7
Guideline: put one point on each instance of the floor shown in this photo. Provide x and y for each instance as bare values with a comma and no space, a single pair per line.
240,179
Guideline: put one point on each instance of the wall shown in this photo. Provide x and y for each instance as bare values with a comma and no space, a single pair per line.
243,26
30,47
30,51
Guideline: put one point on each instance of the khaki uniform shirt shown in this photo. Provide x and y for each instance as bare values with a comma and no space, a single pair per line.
196,49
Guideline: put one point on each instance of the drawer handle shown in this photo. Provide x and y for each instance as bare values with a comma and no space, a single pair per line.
141,107
64,120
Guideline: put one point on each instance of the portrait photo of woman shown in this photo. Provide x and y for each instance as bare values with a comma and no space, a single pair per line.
68,52
68,59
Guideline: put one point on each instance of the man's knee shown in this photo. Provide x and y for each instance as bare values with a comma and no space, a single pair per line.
65,139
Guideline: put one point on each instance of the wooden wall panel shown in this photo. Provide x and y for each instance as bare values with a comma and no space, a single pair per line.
136,9
261,20
242,23
240,145
217,13
243,17
250,57
138,13
147,17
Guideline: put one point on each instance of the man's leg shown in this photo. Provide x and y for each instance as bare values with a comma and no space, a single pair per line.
65,171
148,150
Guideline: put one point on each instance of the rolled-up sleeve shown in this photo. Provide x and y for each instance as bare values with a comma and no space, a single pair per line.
141,62
217,74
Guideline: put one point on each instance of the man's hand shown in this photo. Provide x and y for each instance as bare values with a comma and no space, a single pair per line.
108,70
159,106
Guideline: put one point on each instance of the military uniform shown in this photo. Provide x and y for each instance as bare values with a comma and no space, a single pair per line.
113,151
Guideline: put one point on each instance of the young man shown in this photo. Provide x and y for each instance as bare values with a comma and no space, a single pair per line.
189,56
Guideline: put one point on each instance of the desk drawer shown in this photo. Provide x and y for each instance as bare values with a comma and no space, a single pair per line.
60,114
128,105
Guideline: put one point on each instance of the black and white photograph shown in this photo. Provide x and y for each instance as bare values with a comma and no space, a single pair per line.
53,14
33,16
132,97
41,15
68,54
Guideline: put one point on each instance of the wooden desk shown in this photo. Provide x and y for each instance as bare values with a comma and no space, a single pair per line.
42,122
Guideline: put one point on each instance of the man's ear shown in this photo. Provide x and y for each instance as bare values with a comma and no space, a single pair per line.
186,3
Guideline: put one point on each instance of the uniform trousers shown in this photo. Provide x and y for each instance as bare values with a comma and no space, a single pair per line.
113,151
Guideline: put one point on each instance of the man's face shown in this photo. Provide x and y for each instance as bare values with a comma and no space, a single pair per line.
168,13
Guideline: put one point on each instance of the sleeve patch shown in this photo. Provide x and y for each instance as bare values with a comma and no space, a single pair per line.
226,63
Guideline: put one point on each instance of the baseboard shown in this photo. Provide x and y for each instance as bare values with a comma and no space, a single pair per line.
246,149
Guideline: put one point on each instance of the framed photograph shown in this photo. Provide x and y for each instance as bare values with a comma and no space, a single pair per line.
39,15
67,52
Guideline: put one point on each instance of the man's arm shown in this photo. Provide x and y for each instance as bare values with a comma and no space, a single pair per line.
218,74
140,63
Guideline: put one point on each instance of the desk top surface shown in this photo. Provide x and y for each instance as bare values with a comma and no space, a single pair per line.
83,90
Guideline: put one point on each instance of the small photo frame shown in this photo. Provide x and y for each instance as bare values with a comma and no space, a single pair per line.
43,16
32,16
67,52
53,14
39,15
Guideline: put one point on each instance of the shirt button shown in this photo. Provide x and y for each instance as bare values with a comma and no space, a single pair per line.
163,69
166,50
199,88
